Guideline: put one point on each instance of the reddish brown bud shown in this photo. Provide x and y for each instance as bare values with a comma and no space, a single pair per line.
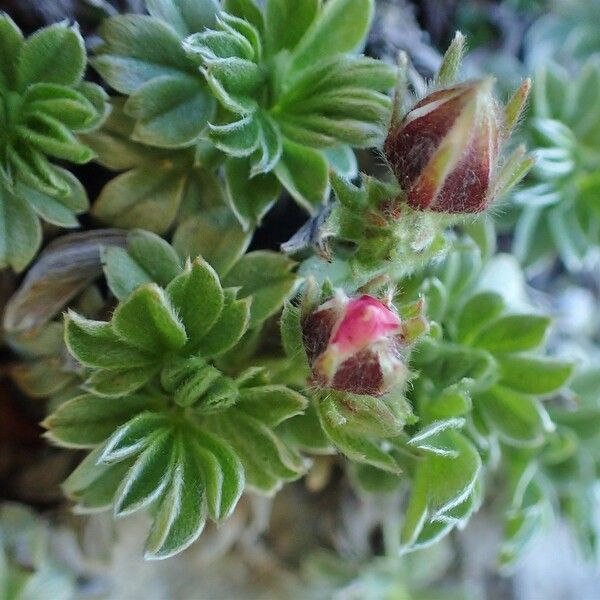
357,345
445,151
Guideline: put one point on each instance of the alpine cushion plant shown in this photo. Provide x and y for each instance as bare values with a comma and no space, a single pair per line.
177,407
44,102
282,95
166,426
198,370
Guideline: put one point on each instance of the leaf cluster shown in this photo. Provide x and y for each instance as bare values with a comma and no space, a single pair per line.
559,213
270,95
44,103
165,425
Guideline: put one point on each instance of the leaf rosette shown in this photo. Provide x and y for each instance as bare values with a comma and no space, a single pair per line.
483,376
557,208
44,104
281,93
167,427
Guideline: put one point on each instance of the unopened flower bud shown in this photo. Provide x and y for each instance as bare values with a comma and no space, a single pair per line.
445,151
357,345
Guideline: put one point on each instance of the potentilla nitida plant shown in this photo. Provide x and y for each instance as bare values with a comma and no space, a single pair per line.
180,409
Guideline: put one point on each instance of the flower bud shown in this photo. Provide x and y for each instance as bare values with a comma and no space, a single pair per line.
358,345
445,151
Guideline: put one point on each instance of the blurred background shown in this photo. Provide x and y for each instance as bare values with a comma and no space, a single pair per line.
318,538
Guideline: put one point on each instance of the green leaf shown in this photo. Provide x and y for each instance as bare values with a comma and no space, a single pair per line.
523,523
54,54
271,404
181,515
148,197
373,480
453,401
228,330
118,382
211,394
586,384
287,22
267,462
360,448
587,87
34,168
534,375
11,42
132,437
360,123
305,432
436,298
250,198
56,210
95,344
148,476
171,111
518,419
224,479
265,276
123,274
356,414
138,49
233,81
148,321
51,137
185,16
198,298
212,45
148,258
584,421
112,143
341,27
440,484
356,445
291,334
336,74
476,313
20,231
214,234
247,10
304,173
448,71
239,138
513,333
343,160
432,438
455,363
94,485
62,103
88,420
156,256
97,97
270,145
243,27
